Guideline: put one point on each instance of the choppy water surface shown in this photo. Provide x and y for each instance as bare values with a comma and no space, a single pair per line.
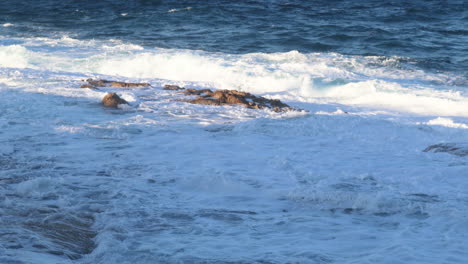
430,34
161,181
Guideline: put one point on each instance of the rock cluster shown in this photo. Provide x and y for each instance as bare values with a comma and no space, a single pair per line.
203,96
93,84
233,97
112,100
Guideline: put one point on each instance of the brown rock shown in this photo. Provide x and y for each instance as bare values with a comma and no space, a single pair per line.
197,92
204,101
87,86
112,100
172,87
123,84
277,103
106,83
96,83
233,97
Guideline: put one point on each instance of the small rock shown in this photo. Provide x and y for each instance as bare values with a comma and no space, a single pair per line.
87,86
96,83
112,100
172,87
106,83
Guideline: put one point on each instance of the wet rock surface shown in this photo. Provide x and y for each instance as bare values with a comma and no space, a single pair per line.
458,149
112,100
105,83
233,97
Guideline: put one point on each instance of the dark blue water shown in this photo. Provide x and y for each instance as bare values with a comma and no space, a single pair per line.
430,34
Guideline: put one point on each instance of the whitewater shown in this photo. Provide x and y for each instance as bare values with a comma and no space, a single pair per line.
344,180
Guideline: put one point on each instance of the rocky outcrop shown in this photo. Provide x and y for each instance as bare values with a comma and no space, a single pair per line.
105,83
112,100
233,97
198,96
459,149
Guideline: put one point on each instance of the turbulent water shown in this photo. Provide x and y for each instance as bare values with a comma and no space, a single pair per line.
345,180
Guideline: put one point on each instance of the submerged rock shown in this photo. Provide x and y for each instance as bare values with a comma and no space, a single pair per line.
459,149
105,83
233,97
112,100
71,236
172,87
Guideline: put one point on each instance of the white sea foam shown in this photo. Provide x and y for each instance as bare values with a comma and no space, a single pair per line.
69,129
446,122
337,112
177,10
7,25
309,78
14,56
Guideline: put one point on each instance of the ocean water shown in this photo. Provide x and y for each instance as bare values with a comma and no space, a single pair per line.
344,180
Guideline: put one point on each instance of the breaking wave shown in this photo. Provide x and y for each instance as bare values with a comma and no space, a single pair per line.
375,82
